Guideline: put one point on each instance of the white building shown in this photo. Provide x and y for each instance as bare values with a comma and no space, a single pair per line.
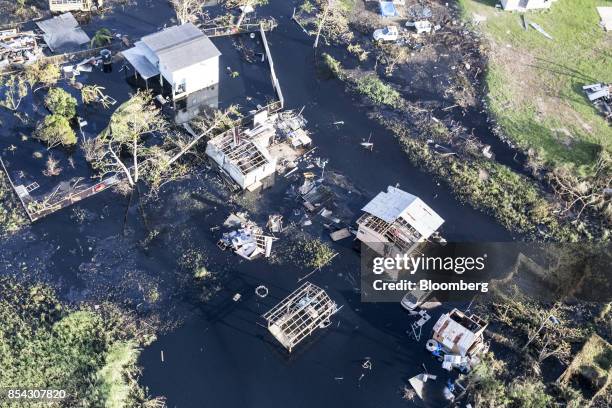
524,5
243,157
63,6
182,56
396,222
460,334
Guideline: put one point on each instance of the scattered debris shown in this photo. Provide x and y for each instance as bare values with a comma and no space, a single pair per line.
275,223
458,339
299,314
418,382
601,97
236,297
247,241
540,30
340,234
18,48
261,291
606,17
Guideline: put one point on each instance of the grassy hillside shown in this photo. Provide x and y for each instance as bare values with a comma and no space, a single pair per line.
535,84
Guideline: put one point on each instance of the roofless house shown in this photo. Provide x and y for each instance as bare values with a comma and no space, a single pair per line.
396,222
184,59
299,314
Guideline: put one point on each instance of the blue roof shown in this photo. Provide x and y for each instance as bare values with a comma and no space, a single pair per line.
387,9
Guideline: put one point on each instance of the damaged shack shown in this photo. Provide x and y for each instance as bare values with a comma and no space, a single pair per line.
251,156
298,315
247,239
396,222
459,338
63,33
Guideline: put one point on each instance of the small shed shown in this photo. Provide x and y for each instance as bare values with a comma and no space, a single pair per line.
298,315
395,222
62,33
459,333
525,5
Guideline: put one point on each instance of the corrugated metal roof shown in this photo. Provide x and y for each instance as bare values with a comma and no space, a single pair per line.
389,205
140,63
181,46
395,203
63,32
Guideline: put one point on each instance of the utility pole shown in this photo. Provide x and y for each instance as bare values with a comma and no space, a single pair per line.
325,13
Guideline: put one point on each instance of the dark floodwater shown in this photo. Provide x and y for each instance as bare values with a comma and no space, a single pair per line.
220,356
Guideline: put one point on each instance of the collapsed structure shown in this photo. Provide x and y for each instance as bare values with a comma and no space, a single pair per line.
459,339
247,240
396,222
600,96
299,314
63,33
18,47
252,156
182,55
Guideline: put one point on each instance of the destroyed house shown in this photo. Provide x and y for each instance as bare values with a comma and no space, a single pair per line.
459,333
298,315
243,156
396,222
62,6
182,56
18,47
524,5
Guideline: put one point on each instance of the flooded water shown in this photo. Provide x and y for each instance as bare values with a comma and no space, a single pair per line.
220,355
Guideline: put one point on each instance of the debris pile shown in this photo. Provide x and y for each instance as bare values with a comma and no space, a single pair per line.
18,48
458,340
247,240
600,96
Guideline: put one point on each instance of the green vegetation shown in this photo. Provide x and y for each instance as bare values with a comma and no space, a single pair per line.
378,91
314,253
90,354
55,130
12,215
61,103
101,38
42,74
535,84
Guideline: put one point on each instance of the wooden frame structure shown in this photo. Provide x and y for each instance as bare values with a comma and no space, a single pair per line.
400,233
299,314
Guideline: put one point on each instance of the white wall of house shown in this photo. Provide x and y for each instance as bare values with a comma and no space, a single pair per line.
512,5
195,77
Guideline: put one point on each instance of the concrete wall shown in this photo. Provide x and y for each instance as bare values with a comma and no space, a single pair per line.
78,5
512,5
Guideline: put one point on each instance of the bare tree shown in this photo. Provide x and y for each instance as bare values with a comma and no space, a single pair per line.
245,6
187,11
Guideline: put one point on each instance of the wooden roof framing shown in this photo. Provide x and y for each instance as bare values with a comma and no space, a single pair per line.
299,314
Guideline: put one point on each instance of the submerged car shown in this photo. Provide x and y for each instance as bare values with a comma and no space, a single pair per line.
389,33
414,299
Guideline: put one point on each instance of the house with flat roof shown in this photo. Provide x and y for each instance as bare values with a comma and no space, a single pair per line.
181,56
524,5
396,222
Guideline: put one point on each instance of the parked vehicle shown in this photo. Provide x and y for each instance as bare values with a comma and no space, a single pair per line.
389,33
414,299
422,26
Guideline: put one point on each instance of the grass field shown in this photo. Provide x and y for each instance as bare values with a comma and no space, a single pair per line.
535,84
